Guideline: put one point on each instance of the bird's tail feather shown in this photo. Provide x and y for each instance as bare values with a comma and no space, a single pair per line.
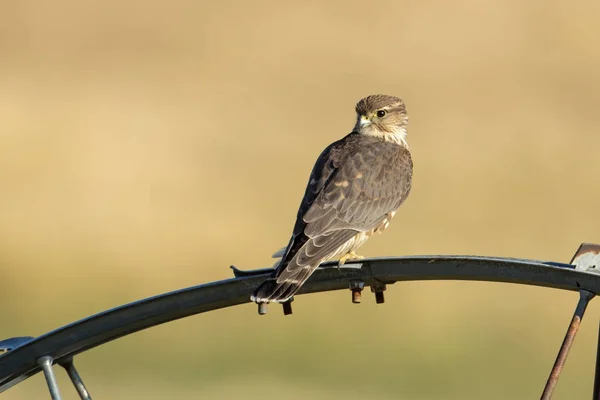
289,277
271,291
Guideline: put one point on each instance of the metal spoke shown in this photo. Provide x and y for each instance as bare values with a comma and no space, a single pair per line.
76,379
46,363
561,358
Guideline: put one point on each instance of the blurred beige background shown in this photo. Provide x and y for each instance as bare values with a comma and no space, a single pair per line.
146,146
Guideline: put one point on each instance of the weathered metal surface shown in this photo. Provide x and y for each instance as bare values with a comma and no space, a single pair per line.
9,344
587,258
64,343
561,358
356,287
378,289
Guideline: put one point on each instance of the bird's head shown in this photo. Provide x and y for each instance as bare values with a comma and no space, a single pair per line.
382,116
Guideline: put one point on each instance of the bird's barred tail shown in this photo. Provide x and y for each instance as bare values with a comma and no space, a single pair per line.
272,292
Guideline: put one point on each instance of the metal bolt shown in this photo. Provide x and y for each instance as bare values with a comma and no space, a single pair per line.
356,296
262,308
356,287
287,307
378,290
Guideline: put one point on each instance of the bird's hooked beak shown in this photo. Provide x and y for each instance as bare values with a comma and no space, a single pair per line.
364,121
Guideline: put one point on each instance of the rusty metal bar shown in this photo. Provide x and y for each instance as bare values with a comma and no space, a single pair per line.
584,299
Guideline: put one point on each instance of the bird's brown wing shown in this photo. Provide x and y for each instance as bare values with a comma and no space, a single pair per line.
371,182
356,182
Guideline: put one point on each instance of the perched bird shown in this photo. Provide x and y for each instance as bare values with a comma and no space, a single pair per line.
354,190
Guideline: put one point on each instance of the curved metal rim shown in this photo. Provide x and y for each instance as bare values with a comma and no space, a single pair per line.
65,342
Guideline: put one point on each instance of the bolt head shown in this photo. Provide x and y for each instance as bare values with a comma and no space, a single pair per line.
262,308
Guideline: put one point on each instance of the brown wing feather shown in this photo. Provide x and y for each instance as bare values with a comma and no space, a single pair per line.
355,183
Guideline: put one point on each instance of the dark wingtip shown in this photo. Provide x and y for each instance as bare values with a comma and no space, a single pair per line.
263,293
272,292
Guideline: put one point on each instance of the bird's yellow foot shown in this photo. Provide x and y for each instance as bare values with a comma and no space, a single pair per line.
351,256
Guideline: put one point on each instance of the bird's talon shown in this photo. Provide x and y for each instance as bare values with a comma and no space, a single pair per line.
351,256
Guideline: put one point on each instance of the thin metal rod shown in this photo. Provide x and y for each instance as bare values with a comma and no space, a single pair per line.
46,363
584,299
76,379
596,395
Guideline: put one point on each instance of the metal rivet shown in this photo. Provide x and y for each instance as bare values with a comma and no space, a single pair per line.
262,308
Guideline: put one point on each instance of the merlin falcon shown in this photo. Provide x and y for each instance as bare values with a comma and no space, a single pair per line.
354,190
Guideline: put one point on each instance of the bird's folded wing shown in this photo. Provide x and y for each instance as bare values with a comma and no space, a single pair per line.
356,198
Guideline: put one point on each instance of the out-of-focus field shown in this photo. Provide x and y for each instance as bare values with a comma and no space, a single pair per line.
146,146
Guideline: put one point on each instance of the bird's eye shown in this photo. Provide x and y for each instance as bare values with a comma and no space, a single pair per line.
380,113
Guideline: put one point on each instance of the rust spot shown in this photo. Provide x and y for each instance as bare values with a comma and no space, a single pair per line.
356,287
586,248
586,257
356,296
